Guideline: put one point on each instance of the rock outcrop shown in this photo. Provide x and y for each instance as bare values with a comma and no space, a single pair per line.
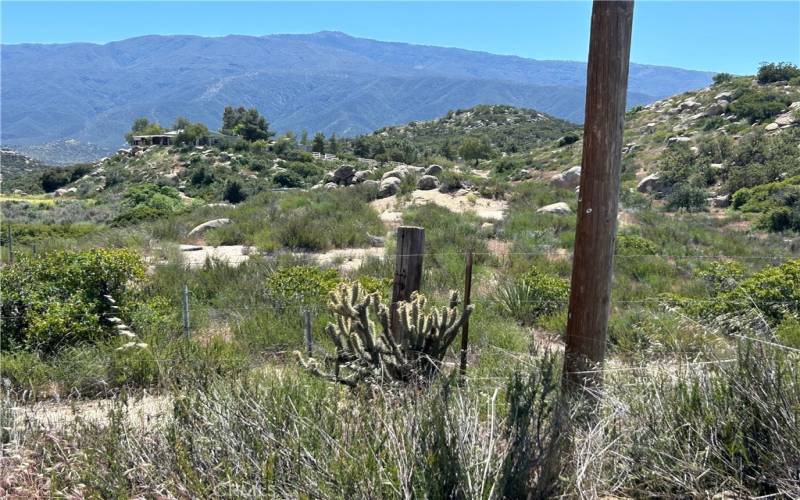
559,208
427,182
568,179
212,224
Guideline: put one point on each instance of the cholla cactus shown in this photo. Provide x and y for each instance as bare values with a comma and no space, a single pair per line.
366,351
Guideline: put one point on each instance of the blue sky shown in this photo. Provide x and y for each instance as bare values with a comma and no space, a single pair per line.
717,36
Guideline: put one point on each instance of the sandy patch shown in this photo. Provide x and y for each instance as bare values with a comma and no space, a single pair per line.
741,225
459,202
499,248
139,412
346,259
195,256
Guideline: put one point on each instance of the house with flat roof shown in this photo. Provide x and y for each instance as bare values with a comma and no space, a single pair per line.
168,138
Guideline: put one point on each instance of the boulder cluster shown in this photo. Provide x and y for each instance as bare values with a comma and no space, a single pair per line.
785,120
389,184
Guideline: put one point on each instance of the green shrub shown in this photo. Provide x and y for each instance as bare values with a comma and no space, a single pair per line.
31,233
148,202
567,140
722,78
202,176
533,295
306,170
677,164
288,179
508,165
630,198
722,276
234,192
759,158
785,193
757,105
781,219
775,291
59,299
687,197
313,220
777,72
788,332
448,236
632,244
301,285
54,178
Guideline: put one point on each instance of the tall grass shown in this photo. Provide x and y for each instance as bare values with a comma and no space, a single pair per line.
729,428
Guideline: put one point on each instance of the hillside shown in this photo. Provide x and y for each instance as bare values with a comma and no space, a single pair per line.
14,165
158,299
64,152
507,128
704,146
325,81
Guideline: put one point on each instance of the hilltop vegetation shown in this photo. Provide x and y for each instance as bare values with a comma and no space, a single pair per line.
507,130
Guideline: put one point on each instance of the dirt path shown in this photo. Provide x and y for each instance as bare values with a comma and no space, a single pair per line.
139,412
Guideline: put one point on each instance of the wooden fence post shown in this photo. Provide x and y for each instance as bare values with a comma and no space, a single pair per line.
186,310
407,268
465,325
307,331
10,243
593,261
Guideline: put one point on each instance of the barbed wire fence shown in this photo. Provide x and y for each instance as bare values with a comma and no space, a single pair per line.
306,309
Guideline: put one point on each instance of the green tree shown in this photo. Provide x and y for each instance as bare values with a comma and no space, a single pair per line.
318,146
247,123
234,192
777,72
475,149
333,144
448,151
304,138
722,78
181,123
143,126
192,133
284,145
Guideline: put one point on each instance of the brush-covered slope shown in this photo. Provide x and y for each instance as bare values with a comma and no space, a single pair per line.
736,142
14,164
507,128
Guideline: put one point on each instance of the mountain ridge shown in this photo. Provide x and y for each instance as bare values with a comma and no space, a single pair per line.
326,81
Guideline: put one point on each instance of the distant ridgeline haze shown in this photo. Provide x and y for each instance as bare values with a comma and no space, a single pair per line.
328,82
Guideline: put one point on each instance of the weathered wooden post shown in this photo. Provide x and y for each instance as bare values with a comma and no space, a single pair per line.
465,326
307,331
407,268
10,243
186,310
606,88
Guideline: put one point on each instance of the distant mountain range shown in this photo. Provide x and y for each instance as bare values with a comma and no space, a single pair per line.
326,81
